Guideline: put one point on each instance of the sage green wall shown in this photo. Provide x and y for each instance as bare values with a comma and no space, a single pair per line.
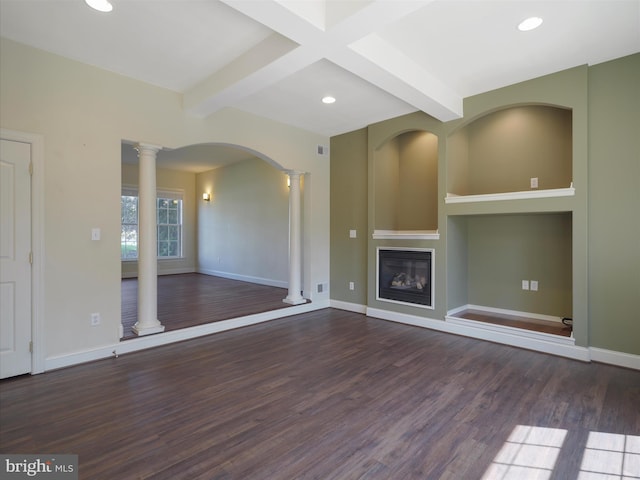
457,262
614,204
406,173
568,90
417,207
387,173
503,250
509,147
243,232
605,106
458,163
461,233
170,180
378,135
349,212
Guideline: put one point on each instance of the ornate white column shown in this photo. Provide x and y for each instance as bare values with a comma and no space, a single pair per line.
294,296
148,322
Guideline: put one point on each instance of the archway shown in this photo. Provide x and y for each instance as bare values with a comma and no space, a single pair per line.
240,233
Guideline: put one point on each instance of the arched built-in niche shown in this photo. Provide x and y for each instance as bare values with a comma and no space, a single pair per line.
406,183
511,238
515,149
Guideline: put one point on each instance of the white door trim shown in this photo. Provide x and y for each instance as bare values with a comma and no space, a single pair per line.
37,242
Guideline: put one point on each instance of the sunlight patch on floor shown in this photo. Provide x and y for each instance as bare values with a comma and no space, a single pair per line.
611,456
529,453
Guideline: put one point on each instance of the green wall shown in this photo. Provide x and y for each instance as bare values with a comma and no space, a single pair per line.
406,173
503,250
596,230
502,151
349,212
614,204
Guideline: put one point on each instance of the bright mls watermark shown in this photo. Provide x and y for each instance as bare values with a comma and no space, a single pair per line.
51,467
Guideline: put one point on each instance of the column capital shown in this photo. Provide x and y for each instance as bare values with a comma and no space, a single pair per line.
147,148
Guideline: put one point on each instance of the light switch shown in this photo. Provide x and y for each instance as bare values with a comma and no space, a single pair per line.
95,234
534,285
525,284
352,234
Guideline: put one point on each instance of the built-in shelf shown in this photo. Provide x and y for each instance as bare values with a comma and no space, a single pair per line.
523,195
406,235
524,325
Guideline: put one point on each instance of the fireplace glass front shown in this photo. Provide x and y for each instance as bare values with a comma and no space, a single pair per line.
406,276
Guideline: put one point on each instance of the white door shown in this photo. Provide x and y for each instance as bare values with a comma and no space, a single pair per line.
15,264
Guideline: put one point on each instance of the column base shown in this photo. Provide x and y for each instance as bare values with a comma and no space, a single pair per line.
295,301
142,330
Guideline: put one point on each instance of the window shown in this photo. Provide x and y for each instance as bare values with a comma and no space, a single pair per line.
129,229
169,213
169,220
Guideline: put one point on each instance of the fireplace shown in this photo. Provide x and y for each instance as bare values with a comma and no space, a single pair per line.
405,276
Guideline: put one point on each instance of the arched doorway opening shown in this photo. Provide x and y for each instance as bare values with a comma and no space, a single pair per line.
228,253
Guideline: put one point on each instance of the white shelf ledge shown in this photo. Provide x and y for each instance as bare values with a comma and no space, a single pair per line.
523,195
406,235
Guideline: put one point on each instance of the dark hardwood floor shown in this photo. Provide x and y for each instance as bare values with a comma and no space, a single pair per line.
330,395
190,299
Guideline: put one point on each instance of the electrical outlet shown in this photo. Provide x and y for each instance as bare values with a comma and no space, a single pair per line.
534,285
525,284
352,286
95,319
534,182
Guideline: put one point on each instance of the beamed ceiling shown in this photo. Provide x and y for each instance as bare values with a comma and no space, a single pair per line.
278,58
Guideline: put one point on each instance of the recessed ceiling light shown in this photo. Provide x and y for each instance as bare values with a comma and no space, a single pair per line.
328,99
529,24
100,5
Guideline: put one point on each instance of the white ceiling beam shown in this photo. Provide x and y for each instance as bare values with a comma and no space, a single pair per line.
350,42
372,17
381,64
270,61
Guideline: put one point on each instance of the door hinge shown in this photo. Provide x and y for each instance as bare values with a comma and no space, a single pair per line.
31,168
31,347
31,258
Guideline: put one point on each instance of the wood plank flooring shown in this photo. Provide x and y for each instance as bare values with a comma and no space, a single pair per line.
190,299
329,395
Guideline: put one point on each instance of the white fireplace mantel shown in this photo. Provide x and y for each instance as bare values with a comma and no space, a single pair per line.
406,235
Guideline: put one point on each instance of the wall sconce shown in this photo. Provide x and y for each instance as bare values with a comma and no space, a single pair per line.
288,181
206,197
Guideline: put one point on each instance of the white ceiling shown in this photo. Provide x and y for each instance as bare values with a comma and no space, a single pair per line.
278,58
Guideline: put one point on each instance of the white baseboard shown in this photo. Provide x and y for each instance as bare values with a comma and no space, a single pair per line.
406,319
620,359
554,345
165,338
164,271
571,351
245,278
351,307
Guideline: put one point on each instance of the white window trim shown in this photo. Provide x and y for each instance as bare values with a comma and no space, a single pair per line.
170,193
